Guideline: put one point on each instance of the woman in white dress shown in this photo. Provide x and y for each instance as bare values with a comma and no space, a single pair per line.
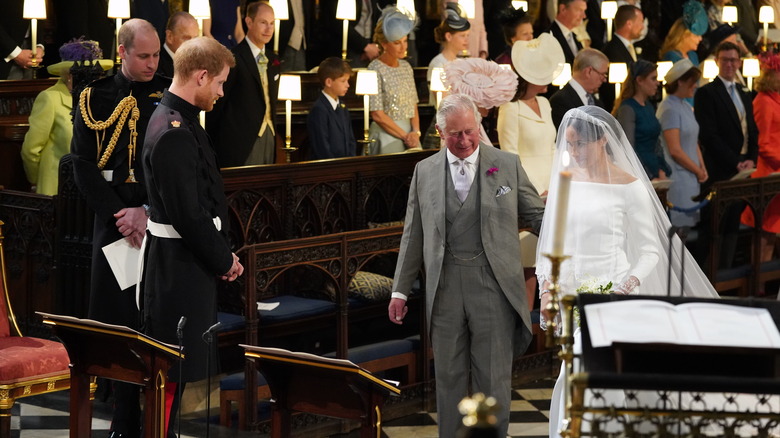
616,230
525,127
453,36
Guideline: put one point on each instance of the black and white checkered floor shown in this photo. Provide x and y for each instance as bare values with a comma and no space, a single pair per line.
46,416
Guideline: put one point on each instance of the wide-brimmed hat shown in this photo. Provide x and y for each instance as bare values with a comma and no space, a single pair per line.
396,24
538,61
82,51
695,17
678,69
487,83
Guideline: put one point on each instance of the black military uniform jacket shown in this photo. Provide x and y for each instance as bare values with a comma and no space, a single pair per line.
185,191
107,302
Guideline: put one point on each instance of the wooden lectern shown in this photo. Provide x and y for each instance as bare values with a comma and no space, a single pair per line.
117,353
330,387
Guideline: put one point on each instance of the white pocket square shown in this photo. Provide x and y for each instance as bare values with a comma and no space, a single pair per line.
503,190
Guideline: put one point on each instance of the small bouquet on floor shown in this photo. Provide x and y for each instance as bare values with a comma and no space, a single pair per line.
591,286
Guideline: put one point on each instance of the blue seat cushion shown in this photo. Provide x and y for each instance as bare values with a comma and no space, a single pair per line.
237,382
733,273
230,322
379,350
291,307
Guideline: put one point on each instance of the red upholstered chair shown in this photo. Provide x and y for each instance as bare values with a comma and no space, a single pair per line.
28,366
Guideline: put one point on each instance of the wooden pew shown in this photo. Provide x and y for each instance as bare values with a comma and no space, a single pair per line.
756,193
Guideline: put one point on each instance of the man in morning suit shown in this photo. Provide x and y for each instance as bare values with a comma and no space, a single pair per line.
110,176
181,27
570,15
13,28
328,124
588,73
465,206
186,246
629,24
727,134
242,123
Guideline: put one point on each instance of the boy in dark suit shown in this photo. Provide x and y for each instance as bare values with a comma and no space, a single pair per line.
329,125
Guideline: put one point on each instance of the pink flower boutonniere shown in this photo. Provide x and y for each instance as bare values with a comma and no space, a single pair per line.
492,170
275,62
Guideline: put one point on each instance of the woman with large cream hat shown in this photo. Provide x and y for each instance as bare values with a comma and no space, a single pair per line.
525,126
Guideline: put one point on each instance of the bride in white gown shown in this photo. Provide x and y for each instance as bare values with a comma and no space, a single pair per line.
616,230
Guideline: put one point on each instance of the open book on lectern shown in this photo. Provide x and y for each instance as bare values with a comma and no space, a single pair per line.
705,324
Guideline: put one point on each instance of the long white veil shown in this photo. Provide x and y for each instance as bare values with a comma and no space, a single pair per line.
616,227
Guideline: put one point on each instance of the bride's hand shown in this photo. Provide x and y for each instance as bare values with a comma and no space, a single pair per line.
627,286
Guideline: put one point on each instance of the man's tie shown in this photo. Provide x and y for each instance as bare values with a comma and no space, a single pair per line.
737,101
591,100
572,44
463,179
632,51
262,68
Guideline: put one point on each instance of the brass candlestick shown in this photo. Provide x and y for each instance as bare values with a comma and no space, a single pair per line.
566,336
288,149
366,142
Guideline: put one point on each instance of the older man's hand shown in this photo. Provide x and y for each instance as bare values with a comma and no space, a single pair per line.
397,310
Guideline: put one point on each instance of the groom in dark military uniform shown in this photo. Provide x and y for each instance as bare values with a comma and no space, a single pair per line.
111,179
187,247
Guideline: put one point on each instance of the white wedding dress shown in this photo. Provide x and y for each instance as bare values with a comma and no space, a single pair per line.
615,229
598,230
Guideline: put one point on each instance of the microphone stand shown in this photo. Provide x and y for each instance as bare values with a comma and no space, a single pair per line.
180,335
208,338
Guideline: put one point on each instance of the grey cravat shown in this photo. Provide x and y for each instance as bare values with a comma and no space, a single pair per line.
591,100
462,179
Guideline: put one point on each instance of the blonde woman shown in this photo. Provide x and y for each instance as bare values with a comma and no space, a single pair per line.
396,121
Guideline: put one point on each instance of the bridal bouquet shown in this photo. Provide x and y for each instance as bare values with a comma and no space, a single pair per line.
591,286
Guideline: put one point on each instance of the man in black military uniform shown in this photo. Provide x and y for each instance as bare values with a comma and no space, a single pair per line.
186,246
108,135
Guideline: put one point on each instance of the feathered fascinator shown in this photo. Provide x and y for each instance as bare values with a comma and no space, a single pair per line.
79,50
396,23
695,17
769,61
487,83
455,18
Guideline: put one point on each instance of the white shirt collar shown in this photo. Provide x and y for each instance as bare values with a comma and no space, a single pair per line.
565,30
451,158
255,50
625,41
168,49
580,90
727,83
333,102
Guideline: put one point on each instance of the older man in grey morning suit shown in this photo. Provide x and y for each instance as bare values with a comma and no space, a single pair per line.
465,205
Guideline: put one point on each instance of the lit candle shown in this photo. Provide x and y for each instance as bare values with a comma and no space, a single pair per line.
365,113
276,35
288,117
561,210
344,38
118,25
34,37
